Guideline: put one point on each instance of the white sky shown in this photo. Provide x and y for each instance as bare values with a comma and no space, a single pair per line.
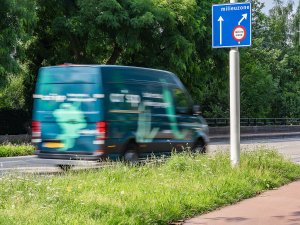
269,4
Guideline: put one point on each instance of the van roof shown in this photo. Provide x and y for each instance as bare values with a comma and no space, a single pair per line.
169,77
107,66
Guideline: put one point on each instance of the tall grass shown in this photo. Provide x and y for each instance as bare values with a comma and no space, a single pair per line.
7,150
183,186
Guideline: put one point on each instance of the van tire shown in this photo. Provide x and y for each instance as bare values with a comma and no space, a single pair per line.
64,167
199,146
131,153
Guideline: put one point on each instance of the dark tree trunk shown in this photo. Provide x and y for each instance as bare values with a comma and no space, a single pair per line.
115,55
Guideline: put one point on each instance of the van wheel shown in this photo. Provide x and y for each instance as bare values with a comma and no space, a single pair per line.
199,146
65,168
131,153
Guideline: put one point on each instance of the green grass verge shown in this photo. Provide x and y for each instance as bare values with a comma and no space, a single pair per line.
7,150
184,186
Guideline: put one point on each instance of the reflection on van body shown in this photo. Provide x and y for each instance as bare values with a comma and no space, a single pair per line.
96,111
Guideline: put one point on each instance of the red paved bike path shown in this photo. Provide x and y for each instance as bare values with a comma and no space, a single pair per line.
276,207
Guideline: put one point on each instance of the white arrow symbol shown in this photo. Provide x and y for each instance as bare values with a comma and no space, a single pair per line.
220,20
244,17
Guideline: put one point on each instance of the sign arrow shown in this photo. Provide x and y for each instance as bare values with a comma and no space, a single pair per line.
244,17
221,20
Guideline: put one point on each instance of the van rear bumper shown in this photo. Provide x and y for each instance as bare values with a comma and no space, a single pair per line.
71,156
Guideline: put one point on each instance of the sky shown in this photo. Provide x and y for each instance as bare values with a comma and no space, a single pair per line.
269,4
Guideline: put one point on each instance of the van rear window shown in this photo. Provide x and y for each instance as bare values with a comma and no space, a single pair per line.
68,75
50,96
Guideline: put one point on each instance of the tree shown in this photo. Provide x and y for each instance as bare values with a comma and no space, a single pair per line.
17,19
296,28
287,69
280,25
148,33
207,74
12,96
258,85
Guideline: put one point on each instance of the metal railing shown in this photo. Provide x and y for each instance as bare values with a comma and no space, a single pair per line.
222,122
6,128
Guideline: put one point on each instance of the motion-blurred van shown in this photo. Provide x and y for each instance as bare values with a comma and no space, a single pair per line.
92,112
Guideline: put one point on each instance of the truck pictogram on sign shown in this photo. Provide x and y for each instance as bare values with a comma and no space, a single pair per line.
239,33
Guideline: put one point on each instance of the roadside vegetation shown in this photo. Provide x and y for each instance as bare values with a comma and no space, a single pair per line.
8,150
155,193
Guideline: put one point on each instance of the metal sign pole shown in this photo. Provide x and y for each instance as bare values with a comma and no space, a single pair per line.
234,63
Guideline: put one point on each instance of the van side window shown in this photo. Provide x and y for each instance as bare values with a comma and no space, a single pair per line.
182,102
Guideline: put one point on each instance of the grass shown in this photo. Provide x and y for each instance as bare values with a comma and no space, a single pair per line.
183,186
8,150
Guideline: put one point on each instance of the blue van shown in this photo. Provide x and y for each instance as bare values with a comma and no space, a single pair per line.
92,112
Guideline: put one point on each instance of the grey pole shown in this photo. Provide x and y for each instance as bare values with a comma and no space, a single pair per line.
234,63
234,71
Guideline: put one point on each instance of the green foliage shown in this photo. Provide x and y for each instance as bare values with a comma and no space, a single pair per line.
9,150
290,84
147,33
114,31
296,28
155,193
280,25
258,86
269,70
285,67
11,95
17,18
207,74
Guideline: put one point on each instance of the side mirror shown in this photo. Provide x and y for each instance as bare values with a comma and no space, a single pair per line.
197,110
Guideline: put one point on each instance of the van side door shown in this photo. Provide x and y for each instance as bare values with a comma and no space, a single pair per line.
184,127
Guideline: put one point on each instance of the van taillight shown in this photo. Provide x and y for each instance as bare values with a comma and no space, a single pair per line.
36,127
36,131
102,130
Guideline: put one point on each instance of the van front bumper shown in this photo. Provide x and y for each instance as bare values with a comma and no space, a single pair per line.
70,156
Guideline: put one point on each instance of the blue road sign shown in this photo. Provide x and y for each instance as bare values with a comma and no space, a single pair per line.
231,25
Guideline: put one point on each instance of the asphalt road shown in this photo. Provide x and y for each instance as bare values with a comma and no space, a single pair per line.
32,164
289,147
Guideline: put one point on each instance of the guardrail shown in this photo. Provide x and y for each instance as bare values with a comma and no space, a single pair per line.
6,128
223,122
